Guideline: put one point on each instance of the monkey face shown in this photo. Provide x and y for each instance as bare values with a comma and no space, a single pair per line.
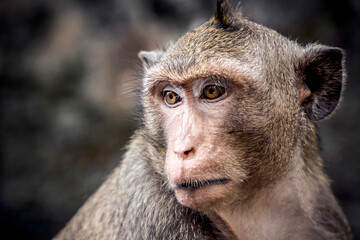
212,122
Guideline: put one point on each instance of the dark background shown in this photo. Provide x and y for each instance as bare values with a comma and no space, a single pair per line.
67,70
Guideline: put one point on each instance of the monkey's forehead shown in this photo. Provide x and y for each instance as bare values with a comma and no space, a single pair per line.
186,69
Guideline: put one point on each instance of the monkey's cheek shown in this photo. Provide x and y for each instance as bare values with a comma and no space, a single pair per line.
204,198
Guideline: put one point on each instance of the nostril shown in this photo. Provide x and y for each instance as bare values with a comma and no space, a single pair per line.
184,154
187,152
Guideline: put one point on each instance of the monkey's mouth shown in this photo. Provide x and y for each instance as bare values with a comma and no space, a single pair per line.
192,185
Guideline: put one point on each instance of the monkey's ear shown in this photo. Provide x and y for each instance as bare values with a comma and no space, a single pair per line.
323,74
148,58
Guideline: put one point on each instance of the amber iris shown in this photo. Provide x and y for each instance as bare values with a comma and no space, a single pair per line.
213,91
171,98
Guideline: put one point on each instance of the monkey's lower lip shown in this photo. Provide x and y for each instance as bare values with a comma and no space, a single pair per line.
192,185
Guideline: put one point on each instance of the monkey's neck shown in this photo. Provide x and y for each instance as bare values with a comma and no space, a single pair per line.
279,211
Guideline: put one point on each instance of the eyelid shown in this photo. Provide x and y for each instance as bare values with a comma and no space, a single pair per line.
168,87
216,81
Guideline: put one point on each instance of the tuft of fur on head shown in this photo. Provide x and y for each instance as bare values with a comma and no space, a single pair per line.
224,15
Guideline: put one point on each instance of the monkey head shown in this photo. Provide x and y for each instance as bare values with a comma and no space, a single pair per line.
233,105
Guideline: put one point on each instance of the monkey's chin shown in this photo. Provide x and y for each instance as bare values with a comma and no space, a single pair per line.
203,196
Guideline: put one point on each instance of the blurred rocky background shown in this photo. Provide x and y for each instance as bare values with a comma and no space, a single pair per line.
68,69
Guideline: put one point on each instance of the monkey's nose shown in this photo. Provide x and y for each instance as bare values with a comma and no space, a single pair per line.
184,153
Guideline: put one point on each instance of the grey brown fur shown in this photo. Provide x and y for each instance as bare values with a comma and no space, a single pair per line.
272,126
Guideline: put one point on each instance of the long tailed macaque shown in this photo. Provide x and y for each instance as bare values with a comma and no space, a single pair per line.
228,147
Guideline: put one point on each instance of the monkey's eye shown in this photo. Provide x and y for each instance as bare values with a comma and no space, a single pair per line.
212,92
171,98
